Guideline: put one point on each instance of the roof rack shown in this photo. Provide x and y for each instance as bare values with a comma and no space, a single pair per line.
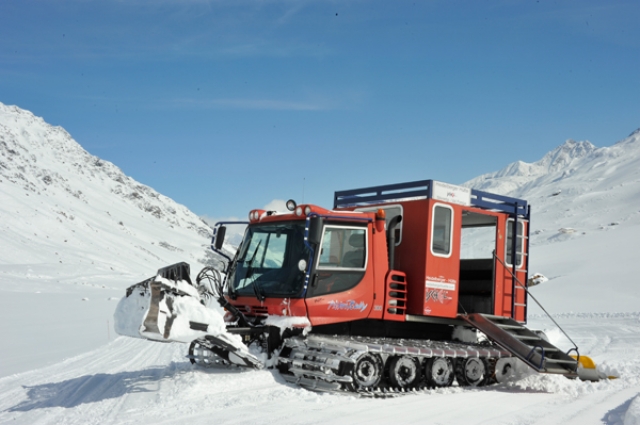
424,189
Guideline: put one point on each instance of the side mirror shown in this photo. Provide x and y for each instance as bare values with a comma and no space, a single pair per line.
218,237
315,230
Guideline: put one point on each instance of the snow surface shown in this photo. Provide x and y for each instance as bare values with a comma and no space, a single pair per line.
63,241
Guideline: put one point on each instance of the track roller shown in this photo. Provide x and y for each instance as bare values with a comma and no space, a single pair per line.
472,372
504,369
367,372
439,372
404,372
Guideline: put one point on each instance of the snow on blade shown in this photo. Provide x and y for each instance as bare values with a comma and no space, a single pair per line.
168,318
166,310
131,312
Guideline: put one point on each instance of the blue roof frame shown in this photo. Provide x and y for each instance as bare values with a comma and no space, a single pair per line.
423,188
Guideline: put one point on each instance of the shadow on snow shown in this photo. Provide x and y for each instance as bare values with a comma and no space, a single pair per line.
95,388
617,416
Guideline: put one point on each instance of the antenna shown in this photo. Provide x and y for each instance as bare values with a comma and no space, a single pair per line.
303,181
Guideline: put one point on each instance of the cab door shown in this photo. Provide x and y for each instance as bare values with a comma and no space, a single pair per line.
443,258
341,285
514,257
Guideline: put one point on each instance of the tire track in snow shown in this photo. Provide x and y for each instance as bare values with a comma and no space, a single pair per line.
137,382
101,379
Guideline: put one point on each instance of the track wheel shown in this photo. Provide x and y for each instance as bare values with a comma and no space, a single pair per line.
404,372
505,369
472,371
367,371
439,372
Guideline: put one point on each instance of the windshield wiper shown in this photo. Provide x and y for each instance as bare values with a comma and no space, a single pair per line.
231,272
249,273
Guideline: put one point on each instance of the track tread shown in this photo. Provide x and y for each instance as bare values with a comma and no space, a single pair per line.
307,360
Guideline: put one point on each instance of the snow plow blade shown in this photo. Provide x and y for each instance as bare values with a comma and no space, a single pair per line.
169,308
587,370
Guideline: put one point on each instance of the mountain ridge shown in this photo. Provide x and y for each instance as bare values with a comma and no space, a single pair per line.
58,143
56,193
560,162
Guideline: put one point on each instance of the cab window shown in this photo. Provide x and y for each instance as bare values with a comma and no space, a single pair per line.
343,248
441,230
342,260
509,243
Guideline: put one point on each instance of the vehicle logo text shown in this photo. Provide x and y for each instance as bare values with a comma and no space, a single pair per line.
349,305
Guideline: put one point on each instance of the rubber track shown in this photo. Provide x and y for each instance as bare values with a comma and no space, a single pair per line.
321,363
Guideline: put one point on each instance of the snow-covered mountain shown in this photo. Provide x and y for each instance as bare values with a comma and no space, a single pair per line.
73,227
61,199
588,199
75,232
576,185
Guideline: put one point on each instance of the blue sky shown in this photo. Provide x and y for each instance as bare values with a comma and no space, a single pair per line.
227,105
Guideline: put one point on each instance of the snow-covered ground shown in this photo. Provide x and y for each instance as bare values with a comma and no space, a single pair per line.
130,381
76,232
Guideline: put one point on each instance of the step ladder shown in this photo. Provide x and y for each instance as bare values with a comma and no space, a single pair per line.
524,344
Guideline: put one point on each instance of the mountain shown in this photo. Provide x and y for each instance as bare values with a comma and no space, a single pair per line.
585,223
576,185
75,231
63,200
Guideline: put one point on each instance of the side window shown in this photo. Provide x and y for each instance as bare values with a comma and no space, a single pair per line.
343,248
342,260
509,243
441,230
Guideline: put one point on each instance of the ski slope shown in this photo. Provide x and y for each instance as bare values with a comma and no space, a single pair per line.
61,278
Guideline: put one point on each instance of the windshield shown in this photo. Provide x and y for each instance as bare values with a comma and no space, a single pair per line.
268,261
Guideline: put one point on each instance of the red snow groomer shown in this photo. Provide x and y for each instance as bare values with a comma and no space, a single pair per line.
385,291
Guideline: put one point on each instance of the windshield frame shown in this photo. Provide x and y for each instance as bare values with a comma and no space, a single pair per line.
267,267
